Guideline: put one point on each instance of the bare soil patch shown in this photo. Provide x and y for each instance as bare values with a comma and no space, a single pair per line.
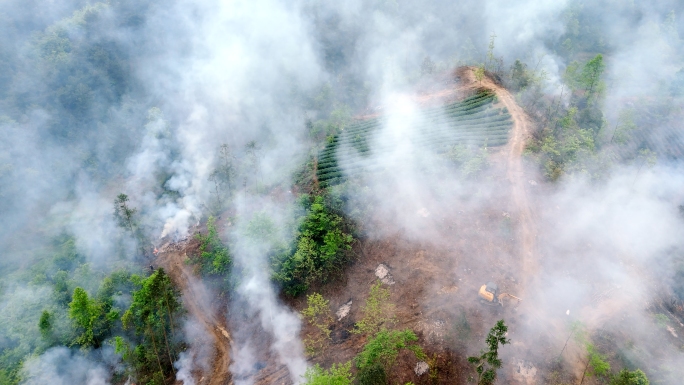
198,301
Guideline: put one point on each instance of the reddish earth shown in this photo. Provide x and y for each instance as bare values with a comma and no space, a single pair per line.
436,281
195,294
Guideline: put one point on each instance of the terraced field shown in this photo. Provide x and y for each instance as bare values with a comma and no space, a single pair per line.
472,121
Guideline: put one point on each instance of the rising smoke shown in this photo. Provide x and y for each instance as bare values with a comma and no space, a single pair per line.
206,73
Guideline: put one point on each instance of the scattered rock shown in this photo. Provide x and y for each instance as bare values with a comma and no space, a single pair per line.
526,372
421,368
434,332
448,289
382,272
343,311
533,183
506,215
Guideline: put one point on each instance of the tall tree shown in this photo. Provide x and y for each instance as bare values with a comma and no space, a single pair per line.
591,74
84,311
123,213
45,325
154,307
490,51
223,174
252,150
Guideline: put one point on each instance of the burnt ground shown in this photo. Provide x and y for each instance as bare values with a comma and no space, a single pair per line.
435,289
436,282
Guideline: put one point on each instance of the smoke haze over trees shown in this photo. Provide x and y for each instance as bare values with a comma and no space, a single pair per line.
126,125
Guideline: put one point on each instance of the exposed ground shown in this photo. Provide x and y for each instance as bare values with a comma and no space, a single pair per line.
435,283
196,298
434,279
480,235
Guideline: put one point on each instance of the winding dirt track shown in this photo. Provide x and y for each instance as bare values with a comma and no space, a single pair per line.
515,173
196,298
516,176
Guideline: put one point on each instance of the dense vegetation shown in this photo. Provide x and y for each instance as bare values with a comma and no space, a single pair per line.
145,330
319,249
154,318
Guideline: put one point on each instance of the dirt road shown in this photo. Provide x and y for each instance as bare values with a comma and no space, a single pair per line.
196,298
515,174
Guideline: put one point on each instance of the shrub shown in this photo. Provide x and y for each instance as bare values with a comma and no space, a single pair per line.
317,314
380,354
336,375
625,377
597,362
372,375
377,312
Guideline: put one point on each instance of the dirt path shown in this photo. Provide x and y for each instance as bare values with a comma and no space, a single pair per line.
515,174
196,299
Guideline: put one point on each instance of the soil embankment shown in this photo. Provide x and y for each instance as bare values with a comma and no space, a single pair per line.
197,301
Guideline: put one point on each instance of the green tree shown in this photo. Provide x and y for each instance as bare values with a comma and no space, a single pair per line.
153,316
490,51
123,213
488,362
319,250
339,118
520,76
125,218
571,76
597,362
223,175
252,150
45,325
591,75
427,67
85,312
669,28
336,375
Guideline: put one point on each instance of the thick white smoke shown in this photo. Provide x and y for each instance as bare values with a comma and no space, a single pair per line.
62,366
